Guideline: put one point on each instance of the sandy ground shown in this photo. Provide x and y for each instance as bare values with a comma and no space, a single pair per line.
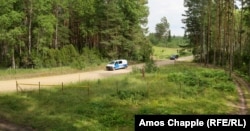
11,85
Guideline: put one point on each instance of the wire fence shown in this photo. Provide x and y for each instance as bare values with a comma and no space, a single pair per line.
21,87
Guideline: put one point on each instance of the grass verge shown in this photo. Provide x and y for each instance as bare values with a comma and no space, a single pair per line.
110,104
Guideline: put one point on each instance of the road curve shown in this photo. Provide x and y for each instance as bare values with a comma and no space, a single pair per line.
11,85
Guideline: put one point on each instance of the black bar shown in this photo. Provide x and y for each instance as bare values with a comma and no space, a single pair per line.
163,122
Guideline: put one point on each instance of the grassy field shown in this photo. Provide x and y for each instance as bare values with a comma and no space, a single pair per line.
165,53
110,104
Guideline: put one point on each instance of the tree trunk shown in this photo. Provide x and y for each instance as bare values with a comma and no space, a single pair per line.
249,68
30,26
219,33
56,30
13,59
231,34
208,32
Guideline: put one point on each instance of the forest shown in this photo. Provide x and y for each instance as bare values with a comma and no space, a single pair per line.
51,33
218,31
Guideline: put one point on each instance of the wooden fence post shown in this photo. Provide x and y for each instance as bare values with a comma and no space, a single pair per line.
39,87
62,86
16,87
143,72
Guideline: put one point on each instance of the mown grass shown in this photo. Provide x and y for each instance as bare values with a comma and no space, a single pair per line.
110,104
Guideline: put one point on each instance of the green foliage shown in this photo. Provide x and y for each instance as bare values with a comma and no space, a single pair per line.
87,58
110,104
225,86
211,35
50,58
150,66
175,42
41,32
203,79
162,29
163,52
145,52
67,56
133,95
184,52
79,63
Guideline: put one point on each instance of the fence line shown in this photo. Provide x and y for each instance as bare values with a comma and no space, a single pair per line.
20,89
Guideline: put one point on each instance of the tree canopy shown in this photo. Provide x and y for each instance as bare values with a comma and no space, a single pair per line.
218,31
33,32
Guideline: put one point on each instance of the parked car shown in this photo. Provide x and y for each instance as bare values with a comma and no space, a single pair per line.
174,57
117,64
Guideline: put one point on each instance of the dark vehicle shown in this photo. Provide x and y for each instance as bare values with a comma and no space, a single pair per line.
174,57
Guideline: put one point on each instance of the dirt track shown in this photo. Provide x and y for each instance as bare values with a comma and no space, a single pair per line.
10,85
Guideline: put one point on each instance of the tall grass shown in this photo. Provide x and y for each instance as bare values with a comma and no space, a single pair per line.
110,104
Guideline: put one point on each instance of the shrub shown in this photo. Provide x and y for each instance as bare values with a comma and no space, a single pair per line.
150,66
68,54
129,94
79,63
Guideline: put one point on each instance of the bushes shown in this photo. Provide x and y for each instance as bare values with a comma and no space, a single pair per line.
67,56
203,78
150,66
87,58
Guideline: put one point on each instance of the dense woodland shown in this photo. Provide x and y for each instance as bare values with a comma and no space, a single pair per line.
50,33
219,32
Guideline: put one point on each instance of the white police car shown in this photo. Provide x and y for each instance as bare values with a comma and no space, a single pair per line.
117,64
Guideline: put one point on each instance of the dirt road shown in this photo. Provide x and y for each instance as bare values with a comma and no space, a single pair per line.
10,85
